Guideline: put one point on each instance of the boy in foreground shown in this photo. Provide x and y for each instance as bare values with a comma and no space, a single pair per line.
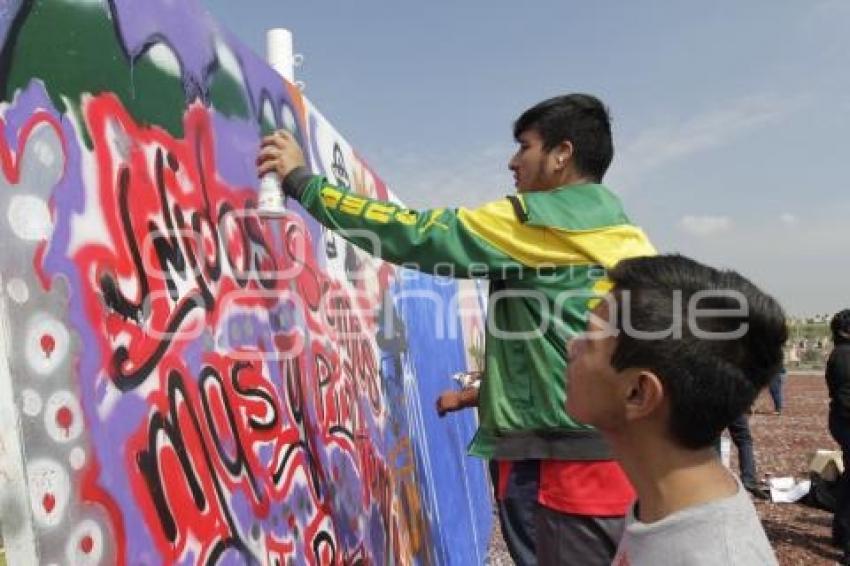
671,356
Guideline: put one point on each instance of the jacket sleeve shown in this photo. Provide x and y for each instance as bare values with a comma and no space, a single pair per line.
435,241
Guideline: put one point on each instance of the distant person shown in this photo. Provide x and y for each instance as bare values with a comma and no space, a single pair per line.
662,399
544,251
838,382
742,438
775,389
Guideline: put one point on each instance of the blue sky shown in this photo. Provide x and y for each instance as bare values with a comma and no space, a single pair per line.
730,118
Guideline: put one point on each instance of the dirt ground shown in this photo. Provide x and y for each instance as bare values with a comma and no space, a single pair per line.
783,445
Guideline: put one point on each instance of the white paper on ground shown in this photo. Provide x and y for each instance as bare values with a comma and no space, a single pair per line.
786,490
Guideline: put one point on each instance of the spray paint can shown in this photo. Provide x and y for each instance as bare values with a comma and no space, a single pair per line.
270,200
467,378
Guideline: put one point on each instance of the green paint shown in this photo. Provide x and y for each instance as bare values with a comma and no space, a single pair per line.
227,95
74,49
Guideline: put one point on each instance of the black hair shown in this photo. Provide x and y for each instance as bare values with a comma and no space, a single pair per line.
709,379
840,326
581,119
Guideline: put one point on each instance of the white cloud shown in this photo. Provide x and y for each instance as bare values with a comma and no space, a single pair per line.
704,226
797,265
666,144
789,219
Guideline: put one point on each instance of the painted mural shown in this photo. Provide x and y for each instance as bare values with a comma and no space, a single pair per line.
182,382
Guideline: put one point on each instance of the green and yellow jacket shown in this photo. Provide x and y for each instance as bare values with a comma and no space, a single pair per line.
545,254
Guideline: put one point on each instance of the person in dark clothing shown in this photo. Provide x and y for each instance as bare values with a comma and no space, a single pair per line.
739,431
775,388
838,382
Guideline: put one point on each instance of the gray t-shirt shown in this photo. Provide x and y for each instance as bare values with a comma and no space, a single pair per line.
722,532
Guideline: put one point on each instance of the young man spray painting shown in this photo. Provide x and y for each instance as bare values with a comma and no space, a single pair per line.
544,251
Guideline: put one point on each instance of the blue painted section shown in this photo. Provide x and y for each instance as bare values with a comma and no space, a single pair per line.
461,511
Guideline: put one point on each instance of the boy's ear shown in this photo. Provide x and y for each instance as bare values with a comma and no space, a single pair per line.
644,396
562,154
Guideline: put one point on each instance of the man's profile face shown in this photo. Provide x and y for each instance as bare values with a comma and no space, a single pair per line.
594,387
533,166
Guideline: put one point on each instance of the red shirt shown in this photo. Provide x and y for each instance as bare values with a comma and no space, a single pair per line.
597,488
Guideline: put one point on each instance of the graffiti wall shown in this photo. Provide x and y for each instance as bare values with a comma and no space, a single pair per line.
182,382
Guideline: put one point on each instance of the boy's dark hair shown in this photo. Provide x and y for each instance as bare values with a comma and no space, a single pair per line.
581,119
709,382
840,326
